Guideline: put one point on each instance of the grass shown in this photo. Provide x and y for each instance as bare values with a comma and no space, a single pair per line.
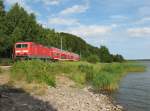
109,76
134,67
33,71
100,76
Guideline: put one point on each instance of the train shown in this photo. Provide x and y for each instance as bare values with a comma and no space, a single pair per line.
31,50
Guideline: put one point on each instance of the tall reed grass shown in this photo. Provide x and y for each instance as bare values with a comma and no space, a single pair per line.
109,76
100,76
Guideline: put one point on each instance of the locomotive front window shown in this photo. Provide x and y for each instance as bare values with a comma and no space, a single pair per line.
24,45
18,46
21,46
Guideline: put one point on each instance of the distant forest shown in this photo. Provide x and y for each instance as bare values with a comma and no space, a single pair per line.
18,25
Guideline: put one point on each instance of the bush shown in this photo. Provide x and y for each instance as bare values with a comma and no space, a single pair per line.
93,59
33,71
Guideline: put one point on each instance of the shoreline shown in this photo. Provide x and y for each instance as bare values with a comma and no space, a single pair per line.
57,99
66,93
74,99
67,97
64,97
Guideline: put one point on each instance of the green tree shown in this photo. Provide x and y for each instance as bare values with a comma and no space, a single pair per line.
16,36
2,16
118,58
105,55
3,36
93,59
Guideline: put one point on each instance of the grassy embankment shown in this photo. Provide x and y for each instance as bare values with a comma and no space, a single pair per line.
100,76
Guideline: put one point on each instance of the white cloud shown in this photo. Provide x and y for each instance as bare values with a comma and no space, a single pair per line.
23,4
144,11
75,9
11,2
143,20
118,17
63,21
20,2
89,30
114,25
139,32
49,2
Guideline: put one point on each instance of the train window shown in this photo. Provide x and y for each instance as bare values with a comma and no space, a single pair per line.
18,46
24,45
21,46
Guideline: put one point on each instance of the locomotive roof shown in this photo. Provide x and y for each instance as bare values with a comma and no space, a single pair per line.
23,42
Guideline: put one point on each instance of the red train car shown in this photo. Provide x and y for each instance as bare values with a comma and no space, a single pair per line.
30,50
63,55
55,53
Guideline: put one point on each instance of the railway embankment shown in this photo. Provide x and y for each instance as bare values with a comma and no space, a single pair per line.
62,86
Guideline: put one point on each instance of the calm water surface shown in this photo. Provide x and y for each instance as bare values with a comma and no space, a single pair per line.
134,91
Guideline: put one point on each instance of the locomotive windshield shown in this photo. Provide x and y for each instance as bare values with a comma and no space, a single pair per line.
21,45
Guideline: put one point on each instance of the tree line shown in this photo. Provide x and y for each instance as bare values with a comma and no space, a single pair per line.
18,25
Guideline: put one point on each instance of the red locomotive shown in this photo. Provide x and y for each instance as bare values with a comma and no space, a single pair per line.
31,50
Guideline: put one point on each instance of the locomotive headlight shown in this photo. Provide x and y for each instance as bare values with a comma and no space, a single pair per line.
25,51
17,51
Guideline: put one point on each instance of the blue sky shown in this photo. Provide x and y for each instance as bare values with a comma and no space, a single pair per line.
122,25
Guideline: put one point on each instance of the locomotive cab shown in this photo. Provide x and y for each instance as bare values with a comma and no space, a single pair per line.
21,50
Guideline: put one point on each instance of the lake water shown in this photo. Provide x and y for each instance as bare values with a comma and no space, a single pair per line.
134,91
